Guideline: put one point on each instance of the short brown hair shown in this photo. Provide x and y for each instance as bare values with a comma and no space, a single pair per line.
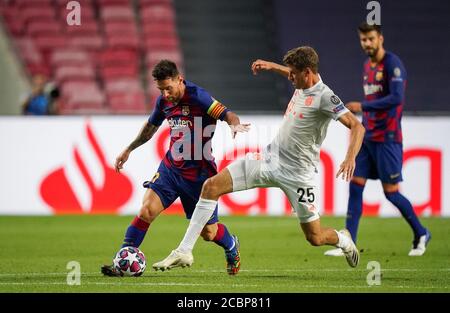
301,58
366,28
165,69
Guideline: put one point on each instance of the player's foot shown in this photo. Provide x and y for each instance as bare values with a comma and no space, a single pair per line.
351,252
109,270
175,259
420,244
334,252
233,258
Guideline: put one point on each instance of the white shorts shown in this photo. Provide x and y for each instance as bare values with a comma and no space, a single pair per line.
253,171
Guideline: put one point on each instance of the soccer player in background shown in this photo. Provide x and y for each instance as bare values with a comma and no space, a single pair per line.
289,162
189,110
381,154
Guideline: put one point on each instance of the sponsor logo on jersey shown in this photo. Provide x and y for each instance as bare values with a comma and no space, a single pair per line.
309,101
176,123
371,89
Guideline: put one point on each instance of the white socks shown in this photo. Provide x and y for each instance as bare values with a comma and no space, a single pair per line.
344,241
202,213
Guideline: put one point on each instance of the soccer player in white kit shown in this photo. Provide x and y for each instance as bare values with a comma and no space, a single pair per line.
289,162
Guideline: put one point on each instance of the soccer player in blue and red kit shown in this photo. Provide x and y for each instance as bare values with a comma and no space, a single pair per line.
381,154
192,114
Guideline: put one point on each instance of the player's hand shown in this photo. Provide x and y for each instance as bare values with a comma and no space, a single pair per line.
261,65
239,128
121,159
354,106
347,169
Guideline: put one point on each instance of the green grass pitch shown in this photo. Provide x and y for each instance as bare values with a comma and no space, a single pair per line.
275,256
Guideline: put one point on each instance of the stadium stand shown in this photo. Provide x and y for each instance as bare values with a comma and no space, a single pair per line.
104,65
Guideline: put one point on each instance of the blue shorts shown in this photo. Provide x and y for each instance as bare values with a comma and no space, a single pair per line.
380,160
169,185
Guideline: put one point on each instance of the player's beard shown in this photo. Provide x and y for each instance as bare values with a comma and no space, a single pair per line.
372,52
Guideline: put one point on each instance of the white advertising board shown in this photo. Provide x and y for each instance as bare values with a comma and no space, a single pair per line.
64,165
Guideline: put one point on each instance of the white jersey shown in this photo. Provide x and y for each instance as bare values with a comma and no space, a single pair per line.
296,147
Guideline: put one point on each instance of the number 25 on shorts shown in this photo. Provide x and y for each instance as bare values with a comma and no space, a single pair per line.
306,195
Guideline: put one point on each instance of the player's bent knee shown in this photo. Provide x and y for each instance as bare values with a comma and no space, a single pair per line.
146,213
210,189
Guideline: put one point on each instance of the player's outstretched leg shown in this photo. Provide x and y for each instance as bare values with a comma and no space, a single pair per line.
354,210
319,236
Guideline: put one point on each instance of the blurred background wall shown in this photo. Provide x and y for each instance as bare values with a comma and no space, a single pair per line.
417,31
103,66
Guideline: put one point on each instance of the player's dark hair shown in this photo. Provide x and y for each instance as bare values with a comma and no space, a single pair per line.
301,58
365,28
165,69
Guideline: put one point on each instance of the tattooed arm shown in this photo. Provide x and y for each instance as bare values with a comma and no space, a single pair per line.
146,133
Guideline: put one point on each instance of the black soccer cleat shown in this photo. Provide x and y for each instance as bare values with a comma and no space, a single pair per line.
109,270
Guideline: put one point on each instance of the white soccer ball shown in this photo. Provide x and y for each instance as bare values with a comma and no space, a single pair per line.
130,261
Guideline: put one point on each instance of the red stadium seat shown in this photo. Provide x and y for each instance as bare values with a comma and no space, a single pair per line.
158,13
143,3
113,27
82,97
70,57
95,42
38,68
15,27
47,27
37,14
159,29
123,41
92,99
117,13
74,72
10,13
113,2
161,43
70,87
121,85
117,57
83,3
127,103
119,72
87,28
22,4
153,57
45,42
